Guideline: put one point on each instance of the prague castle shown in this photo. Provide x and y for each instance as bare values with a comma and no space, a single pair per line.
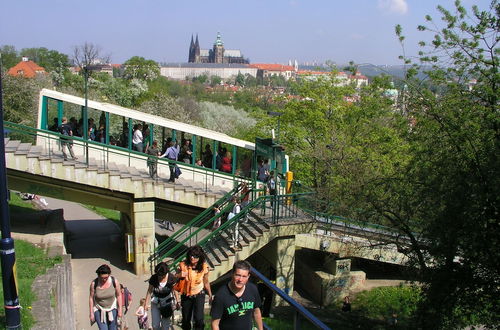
218,54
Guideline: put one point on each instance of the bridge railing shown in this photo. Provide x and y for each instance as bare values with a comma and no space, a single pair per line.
322,212
300,313
173,245
93,153
263,209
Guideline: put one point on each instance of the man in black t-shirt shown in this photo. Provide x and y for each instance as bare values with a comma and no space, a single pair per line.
66,131
236,303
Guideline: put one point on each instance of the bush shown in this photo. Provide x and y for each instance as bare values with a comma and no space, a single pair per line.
381,303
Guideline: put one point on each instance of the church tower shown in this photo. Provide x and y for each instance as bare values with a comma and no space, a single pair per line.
197,58
218,50
191,57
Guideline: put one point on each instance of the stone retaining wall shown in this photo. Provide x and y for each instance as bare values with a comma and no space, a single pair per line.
53,308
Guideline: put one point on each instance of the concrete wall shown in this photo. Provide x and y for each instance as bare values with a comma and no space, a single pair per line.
55,283
324,287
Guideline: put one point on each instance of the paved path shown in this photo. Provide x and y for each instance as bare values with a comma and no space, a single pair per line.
93,241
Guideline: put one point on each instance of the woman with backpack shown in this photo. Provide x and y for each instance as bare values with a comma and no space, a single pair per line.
105,299
160,291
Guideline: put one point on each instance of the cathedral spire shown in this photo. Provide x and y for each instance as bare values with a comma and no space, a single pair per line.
191,50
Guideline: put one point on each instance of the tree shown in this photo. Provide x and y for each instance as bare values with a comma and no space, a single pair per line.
20,98
240,79
88,54
139,68
215,81
449,190
50,60
9,56
163,105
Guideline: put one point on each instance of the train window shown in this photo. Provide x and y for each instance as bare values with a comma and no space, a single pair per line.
118,130
73,112
244,162
96,125
52,115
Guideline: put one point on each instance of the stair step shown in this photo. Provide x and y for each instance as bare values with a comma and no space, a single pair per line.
23,149
12,145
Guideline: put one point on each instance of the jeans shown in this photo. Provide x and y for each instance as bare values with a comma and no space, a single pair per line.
68,145
192,307
171,166
158,322
138,147
153,169
107,325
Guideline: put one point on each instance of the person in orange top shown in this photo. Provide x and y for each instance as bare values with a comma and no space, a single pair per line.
193,284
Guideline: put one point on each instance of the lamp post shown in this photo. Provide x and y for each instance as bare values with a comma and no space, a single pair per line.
7,251
276,114
85,113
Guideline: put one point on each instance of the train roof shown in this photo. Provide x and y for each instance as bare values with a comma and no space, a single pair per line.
146,117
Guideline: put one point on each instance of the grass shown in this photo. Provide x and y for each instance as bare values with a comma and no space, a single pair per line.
112,215
31,261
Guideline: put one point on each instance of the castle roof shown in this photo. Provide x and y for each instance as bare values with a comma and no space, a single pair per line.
272,67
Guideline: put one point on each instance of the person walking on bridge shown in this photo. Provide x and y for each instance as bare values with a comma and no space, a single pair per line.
172,153
66,131
152,161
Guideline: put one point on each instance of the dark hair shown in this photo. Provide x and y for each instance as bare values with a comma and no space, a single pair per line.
242,264
103,269
161,269
195,251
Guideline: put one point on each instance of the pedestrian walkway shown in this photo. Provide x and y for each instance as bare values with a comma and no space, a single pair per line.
92,241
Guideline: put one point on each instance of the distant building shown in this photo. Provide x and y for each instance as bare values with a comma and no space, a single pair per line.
359,79
183,71
267,70
218,54
343,79
26,68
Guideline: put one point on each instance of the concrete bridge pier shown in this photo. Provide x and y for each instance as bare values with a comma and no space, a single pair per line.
143,231
285,265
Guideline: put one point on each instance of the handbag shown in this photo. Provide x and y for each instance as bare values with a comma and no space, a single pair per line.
166,305
177,171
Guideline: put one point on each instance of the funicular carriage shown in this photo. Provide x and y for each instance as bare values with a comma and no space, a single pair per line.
111,141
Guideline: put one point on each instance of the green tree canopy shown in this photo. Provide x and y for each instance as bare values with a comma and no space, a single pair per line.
10,57
450,187
139,68
50,60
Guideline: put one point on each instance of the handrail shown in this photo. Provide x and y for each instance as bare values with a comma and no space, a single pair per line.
193,223
132,154
227,224
299,309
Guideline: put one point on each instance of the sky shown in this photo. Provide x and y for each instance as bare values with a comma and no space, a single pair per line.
266,31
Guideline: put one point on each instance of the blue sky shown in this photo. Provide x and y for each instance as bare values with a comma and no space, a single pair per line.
266,31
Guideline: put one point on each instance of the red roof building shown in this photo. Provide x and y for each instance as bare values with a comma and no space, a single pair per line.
266,70
26,68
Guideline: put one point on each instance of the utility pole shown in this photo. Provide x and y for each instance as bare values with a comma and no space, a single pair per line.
7,252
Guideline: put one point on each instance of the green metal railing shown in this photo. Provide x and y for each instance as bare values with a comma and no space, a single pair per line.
208,238
105,154
190,231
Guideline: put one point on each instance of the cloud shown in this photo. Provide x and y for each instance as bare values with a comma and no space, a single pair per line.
394,6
